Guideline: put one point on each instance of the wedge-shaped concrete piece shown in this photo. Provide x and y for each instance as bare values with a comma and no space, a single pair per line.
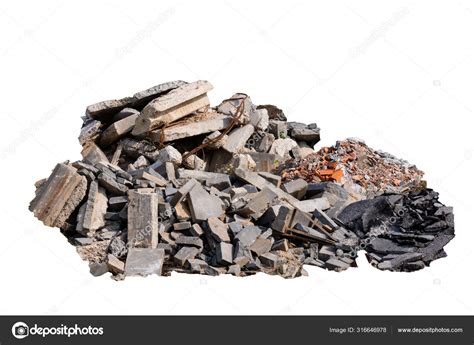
142,218
59,196
173,106
144,261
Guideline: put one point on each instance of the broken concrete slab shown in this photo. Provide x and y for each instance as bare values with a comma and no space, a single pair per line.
106,109
173,106
203,205
269,260
213,122
144,261
191,241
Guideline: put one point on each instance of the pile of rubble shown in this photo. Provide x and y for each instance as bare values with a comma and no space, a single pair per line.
352,161
169,183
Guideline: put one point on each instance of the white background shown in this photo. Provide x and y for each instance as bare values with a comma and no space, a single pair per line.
397,74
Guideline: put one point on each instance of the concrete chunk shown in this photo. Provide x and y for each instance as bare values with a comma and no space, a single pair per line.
312,204
117,130
259,203
142,218
111,185
296,188
213,122
153,176
237,138
196,230
191,241
282,147
272,178
63,181
269,260
218,229
261,246
115,265
185,254
176,104
95,209
89,131
93,154
224,253
203,205
248,235
183,192
106,109
144,261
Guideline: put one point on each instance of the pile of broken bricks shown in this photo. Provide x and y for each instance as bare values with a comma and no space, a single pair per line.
169,183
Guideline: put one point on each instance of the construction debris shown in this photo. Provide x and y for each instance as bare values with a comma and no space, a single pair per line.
169,183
